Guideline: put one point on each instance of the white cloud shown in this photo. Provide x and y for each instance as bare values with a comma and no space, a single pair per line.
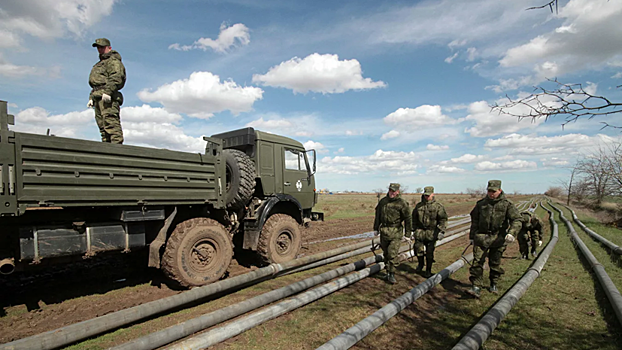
618,75
489,123
317,146
471,54
228,38
467,158
161,135
8,39
144,126
444,169
318,73
340,150
146,113
590,36
353,132
390,135
536,145
48,19
503,166
415,119
554,162
10,70
202,95
37,120
392,162
431,147
451,58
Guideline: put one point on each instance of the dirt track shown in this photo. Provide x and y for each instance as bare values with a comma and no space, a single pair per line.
35,303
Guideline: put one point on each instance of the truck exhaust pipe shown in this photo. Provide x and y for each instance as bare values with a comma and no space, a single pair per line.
7,266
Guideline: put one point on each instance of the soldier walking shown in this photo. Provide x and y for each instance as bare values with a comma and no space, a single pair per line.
531,230
495,222
429,222
106,79
391,212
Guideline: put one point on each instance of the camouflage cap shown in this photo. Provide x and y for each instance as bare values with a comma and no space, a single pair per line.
428,190
101,42
394,186
494,185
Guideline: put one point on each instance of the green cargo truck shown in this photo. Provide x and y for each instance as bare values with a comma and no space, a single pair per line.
63,197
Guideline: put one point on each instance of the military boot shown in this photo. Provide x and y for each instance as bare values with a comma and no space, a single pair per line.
391,278
533,252
493,288
428,271
475,291
420,259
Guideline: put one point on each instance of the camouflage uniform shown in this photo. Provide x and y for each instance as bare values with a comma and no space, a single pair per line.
532,226
108,77
491,221
429,220
390,213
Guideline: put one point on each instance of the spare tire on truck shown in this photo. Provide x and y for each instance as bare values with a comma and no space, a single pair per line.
240,178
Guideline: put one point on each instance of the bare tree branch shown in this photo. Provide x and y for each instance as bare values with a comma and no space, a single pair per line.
549,5
569,100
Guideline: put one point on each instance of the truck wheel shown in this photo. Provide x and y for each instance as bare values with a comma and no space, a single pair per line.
240,178
280,239
198,252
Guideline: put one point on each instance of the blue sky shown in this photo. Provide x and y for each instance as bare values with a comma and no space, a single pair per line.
385,91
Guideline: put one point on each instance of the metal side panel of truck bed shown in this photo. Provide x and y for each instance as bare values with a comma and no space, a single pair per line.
64,172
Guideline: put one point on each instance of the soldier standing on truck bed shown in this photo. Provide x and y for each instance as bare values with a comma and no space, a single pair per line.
391,211
495,222
429,223
106,79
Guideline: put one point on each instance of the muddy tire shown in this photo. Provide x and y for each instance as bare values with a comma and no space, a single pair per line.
280,239
198,252
240,181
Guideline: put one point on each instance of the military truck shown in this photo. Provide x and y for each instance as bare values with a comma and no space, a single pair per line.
64,197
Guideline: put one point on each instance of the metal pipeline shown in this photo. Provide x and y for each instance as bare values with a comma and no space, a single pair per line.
7,266
85,329
451,235
475,338
183,329
234,328
612,292
359,331
614,248
189,327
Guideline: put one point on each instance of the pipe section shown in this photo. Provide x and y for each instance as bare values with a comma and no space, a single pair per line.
614,248
7,266
612,292
184,329
85,329
357,332
475,338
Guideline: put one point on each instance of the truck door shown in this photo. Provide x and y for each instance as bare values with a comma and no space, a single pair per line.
296,181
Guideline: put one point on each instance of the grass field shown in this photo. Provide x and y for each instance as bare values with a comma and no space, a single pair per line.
565,308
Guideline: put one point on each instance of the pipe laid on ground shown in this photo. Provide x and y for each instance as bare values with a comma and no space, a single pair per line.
612,292
186,328
82,330
359,331
475,338
451,235
614,247
234,328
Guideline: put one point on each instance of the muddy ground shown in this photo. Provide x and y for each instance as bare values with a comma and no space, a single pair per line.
33,303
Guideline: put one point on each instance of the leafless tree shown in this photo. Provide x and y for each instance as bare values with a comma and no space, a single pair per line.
569,100
554,192
419,190
549,4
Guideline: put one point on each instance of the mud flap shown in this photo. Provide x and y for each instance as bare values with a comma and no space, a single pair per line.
156,244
